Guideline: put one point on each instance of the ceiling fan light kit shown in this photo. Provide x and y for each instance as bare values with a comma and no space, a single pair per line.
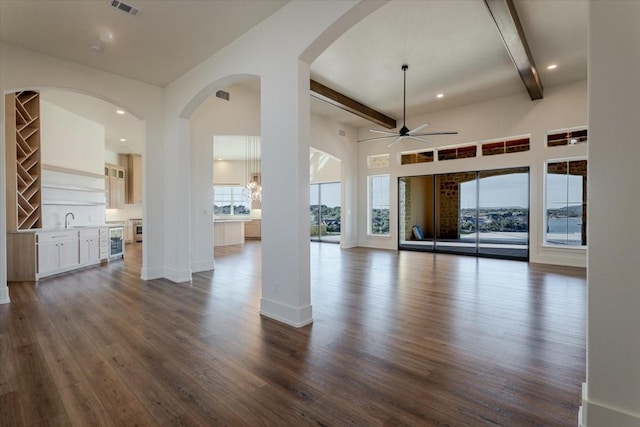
404,131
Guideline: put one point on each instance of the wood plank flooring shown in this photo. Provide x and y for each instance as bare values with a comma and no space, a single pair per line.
399,338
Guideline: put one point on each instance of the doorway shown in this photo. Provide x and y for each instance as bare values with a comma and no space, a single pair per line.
324,212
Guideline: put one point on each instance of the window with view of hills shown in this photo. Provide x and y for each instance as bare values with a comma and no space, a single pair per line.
566,203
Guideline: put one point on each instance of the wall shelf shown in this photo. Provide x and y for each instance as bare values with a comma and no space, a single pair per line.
74,188
71,203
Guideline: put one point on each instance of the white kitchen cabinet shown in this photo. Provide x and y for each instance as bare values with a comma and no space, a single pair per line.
48,257
57,252
89,247
228,232
104,244
33,255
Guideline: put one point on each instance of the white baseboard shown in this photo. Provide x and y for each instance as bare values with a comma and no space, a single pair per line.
4,294
200,266
347,244
292,316
178,276
152,273
595,414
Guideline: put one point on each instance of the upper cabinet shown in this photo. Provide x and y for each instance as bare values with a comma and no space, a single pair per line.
22,127
134,178
115,185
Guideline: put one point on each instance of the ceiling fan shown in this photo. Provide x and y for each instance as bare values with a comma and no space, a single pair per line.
404,130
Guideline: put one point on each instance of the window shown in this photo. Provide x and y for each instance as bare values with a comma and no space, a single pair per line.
566,203
230,200
557,139
378,161
421,157
379,204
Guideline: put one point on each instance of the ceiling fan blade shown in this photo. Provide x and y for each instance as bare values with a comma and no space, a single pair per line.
420,139
419,128
386,132
378,138
444,132
395,140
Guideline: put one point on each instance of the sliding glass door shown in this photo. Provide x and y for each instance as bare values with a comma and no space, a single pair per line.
324,212
475,213
503,212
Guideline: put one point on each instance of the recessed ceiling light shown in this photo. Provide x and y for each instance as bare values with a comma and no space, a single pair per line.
440,95
552,67
120,111
105,36
123,139
219,159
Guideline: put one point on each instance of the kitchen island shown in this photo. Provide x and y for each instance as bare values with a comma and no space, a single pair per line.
228,231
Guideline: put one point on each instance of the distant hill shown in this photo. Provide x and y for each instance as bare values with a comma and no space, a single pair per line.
571,212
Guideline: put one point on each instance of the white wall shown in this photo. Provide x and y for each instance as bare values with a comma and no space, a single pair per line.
72,142
611,395
563,106
325,136
69,140
238,116
323,167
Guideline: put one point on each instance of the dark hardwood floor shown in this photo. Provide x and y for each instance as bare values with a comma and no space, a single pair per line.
399,338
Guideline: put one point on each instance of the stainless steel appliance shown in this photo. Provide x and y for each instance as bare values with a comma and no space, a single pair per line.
137,229
116,242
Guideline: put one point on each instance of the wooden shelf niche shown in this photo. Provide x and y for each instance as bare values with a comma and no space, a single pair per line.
22,124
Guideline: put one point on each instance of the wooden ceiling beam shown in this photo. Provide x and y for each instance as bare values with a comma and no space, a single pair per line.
506,19
320,91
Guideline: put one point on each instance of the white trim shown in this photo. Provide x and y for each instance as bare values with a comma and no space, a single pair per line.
178,276
152,273
200,266
592,414
292,316
4,294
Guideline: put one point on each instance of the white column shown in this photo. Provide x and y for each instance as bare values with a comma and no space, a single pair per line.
202,204
176,201
611,395
285,202
4,289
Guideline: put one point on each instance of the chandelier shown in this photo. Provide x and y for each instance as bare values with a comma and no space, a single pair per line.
254,185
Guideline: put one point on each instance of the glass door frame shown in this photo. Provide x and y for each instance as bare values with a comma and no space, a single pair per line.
318,237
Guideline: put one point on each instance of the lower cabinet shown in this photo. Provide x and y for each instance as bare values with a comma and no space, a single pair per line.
252,229
56,252
104,244
228,233
128,232
89,246
38,254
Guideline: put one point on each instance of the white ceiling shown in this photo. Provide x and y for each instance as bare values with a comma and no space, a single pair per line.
451,46
117,126
165,40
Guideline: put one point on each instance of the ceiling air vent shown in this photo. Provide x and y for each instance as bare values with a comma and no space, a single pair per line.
126,8
222,95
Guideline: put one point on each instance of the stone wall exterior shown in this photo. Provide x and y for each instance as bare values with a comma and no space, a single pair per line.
448,197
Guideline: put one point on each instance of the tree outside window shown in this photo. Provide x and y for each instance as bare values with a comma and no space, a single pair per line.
230,200
379,204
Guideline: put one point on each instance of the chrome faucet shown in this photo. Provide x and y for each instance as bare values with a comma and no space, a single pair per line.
66,219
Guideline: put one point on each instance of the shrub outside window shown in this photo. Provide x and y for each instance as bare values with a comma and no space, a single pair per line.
378,205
